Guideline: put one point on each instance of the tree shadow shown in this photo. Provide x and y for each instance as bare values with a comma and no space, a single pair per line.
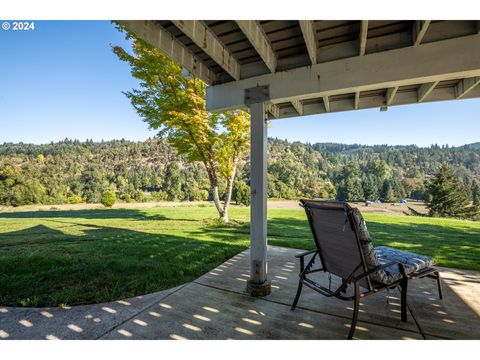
288,232
42,266
451,247
131,214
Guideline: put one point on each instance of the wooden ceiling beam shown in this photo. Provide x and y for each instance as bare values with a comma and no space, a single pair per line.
310,36
206,40
425,89
419,30
363,36
161,39
464,86
257,37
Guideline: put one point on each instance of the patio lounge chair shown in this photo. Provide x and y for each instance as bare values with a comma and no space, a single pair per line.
344,248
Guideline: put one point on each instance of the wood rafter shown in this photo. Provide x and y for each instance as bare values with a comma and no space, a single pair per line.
257,37
206,40
310,36
363,36
158,37
419,30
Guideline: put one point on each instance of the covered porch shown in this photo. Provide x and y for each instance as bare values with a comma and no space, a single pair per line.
280,69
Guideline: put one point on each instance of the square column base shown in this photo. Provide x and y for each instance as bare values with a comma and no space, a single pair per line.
259,290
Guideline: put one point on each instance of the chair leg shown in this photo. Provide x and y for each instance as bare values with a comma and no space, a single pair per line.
355,311
440,295
404,287
297,296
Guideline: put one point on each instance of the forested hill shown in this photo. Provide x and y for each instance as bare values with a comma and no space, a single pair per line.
73,171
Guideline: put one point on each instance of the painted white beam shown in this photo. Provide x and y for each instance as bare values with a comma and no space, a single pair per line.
298,106
391,92
377,101
425,89
158,37
310,36
464,86
357,100
363,36
206,40
257,37
419,30
442,60
326,103
258,187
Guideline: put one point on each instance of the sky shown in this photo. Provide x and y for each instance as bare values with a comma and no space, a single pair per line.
62,80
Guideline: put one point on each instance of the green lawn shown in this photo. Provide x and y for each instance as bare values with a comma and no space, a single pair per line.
50,258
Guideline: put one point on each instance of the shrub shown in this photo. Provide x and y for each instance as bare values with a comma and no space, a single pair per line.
159,195
139,196
200,195
108,198
127,198
242,195
75,199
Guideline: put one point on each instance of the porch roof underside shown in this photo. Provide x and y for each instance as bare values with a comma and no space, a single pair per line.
320,66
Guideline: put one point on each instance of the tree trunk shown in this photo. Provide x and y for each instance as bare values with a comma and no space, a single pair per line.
228,195
212,176
216,200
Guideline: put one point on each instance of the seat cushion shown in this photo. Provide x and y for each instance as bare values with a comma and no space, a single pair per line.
375,256
412,262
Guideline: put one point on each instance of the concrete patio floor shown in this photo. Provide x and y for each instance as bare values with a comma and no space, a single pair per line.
215,306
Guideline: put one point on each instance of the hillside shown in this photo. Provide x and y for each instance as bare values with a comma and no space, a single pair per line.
72,171
475,146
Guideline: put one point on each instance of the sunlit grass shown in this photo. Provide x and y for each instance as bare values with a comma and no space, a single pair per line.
71,257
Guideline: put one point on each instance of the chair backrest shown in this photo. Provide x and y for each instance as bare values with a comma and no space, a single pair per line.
335,235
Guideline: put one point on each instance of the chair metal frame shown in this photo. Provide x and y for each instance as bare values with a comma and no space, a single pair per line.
352,279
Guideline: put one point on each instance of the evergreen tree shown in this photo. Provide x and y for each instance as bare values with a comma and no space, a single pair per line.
447,196
370,188
173,182
476,194
388,194
350,188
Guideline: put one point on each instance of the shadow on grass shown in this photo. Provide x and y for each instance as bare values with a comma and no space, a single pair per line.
42,266
450,246
135,214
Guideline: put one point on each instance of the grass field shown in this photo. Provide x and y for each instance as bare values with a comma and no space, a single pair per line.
71,257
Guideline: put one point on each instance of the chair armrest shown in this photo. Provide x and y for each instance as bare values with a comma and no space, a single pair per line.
306,253
380,267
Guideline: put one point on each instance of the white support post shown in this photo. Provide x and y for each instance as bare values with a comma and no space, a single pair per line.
258,285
